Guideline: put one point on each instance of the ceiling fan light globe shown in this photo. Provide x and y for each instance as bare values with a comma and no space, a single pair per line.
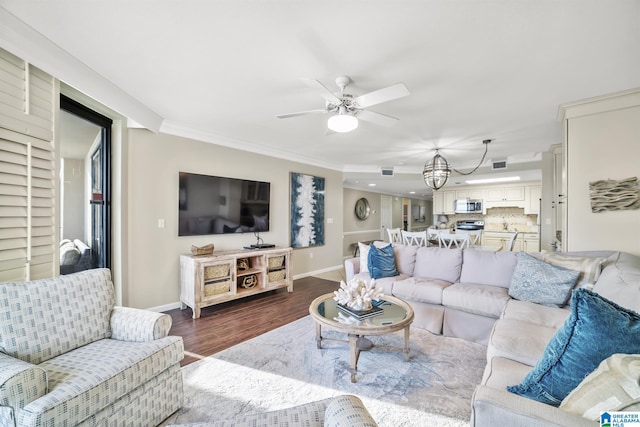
342,123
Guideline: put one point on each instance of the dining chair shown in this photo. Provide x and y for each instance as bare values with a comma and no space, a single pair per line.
450,240
394,235
475,236
432,236
414,238
512,241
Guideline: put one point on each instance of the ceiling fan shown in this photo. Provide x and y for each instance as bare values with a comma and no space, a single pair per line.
346,108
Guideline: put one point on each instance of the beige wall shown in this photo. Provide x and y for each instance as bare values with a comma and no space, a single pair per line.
356,230
603,143
151,270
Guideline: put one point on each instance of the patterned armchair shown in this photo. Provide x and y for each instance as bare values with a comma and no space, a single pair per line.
69,357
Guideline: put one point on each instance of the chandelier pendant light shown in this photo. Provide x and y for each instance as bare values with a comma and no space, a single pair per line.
437,171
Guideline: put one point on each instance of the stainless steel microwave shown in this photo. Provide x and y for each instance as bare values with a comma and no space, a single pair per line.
468,206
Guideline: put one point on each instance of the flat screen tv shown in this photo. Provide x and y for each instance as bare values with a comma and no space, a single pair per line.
219,205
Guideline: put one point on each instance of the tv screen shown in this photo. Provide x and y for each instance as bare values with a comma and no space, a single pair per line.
219,205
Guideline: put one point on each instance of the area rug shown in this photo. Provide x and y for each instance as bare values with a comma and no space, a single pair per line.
284,368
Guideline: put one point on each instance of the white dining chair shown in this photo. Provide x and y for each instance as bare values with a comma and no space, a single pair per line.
450,240
394,235
414,238
475,236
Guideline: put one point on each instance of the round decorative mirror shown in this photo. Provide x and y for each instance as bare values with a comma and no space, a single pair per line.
362,208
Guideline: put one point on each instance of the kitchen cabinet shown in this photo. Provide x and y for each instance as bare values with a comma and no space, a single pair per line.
531,242
505,194
444,201
521,196
527,242
471,193
495,239
532,205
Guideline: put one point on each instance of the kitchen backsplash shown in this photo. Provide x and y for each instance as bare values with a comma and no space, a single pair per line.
496,218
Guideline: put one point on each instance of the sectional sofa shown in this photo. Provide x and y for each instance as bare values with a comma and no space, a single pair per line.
469,294
70,357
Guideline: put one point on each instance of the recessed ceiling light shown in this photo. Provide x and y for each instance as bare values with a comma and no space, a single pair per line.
412,192
372,185
491,180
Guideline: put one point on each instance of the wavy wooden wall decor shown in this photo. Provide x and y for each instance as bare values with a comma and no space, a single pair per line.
612,195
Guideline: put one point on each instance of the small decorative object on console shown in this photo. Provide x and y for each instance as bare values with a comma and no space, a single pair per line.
358,294
249,281
203,250
242,264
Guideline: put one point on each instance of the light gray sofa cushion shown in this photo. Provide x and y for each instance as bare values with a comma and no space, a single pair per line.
488,268
501,372
438,263
405,258
477,299
519,340
71,309
386,283
101,372
491,407
552,317
420,289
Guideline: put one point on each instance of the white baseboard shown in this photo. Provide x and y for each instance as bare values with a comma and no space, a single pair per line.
316,272
174,305
166,307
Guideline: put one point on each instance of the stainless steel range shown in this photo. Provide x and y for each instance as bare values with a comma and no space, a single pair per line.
470,224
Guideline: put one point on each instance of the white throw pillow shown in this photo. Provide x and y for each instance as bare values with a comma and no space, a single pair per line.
588,267
364,254
612,386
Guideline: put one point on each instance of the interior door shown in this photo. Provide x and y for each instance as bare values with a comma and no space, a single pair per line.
386,216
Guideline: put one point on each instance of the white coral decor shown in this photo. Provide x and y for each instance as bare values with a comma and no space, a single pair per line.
358,293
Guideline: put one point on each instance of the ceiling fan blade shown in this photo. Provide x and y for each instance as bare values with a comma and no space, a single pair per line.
322,89
379,96
300,113
376,118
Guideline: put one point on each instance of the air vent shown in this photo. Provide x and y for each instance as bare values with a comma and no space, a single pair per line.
387,172
502,164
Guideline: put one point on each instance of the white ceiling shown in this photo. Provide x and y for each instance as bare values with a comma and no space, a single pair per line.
476,69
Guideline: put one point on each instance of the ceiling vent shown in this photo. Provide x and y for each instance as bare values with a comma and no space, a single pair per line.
386,172
500,164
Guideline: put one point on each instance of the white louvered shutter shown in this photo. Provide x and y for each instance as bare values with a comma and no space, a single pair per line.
27,184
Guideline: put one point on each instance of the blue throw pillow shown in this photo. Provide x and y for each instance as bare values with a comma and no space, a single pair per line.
596,329
382,262
540,282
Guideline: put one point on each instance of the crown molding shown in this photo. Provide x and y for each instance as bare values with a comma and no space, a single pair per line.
176,129
25,42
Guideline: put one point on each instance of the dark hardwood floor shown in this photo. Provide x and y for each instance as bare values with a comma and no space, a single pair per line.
224,325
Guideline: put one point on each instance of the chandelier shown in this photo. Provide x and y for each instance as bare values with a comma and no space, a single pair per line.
437,171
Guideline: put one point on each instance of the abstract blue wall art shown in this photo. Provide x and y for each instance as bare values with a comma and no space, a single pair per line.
307,210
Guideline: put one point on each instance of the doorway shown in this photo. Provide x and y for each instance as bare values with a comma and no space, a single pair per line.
85,175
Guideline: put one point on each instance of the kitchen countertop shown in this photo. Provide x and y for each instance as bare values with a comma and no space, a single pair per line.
511,231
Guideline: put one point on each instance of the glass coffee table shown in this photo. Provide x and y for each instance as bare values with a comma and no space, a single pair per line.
397,315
